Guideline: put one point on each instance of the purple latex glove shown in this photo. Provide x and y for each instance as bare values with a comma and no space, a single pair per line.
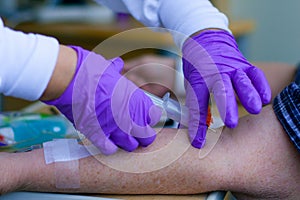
106,107
213,63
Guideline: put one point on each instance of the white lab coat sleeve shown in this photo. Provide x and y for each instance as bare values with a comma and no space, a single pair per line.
27,63
145,11
181,17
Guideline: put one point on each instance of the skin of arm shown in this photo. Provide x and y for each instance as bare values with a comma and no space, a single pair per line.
254,160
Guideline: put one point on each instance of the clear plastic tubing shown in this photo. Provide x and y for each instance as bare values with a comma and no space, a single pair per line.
172,108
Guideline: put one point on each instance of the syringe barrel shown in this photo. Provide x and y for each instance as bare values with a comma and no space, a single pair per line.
173,109
155,99
176,112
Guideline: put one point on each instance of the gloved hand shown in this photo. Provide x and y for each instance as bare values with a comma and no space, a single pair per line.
213,63
106,107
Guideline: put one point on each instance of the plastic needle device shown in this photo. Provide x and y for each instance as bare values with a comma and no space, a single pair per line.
172,108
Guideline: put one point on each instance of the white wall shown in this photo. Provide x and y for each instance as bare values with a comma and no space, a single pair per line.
277,33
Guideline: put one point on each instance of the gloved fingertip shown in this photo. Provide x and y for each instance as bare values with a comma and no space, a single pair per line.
133,146
260,81
144,142
231,124
117,60
108,152
108,149
252,102
198,141
155,114
144,135
123,140
266,97
256,106
118,64
105,146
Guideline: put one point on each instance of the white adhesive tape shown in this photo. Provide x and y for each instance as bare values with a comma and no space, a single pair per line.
67,174
60,150
65,153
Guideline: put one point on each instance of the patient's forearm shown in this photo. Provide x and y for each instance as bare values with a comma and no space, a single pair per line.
184,174
256,158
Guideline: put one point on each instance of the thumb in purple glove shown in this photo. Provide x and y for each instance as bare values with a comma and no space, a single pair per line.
106,107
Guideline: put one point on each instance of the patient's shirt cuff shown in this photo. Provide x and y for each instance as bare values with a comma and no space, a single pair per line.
286,106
